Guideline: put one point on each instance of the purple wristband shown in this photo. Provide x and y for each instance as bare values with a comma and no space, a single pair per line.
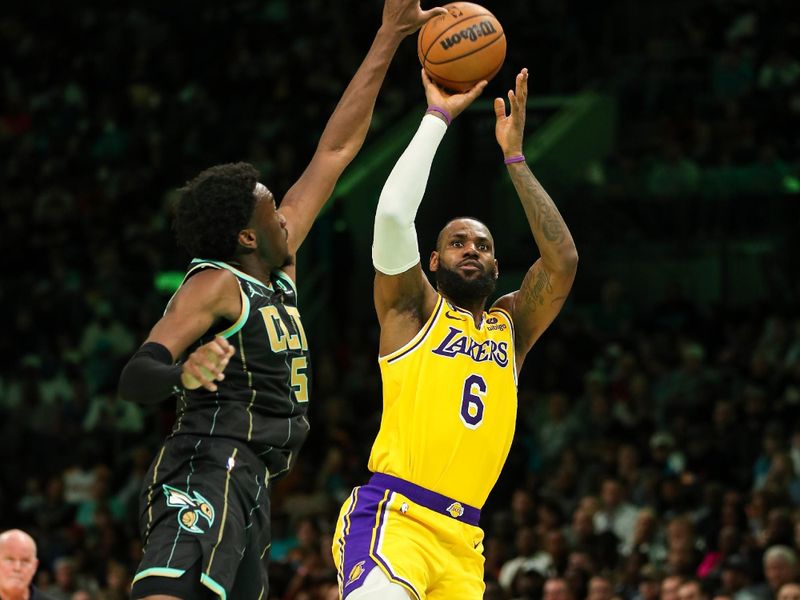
515,159
447,118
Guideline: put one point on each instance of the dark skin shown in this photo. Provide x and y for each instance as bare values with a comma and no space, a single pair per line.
404,302
272,237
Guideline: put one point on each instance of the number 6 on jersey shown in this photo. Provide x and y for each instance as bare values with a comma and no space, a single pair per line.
472,401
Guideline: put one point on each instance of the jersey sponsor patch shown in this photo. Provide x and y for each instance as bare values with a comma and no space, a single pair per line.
192,508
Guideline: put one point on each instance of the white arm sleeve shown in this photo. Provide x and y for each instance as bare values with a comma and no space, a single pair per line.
394,245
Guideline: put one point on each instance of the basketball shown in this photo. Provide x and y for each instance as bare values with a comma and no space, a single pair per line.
463,47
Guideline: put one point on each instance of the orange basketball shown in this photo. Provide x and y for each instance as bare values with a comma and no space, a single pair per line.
463,47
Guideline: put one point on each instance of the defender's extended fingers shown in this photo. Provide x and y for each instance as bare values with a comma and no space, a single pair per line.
512,101
522,84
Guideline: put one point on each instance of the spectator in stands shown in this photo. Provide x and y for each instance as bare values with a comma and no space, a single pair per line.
600,588
18,564
691,590
556,588
616,514
670,586
789,591
780,568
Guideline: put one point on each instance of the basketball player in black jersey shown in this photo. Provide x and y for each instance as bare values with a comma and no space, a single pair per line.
243,386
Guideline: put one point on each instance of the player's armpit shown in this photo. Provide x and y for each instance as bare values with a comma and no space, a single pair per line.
403,303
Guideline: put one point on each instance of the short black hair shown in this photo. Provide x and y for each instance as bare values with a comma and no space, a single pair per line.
441,231
213,208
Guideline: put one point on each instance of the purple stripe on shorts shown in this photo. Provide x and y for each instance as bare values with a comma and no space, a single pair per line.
432,500
357,537
384,509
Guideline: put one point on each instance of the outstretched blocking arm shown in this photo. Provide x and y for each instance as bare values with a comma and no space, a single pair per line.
548,282
404,298
347,128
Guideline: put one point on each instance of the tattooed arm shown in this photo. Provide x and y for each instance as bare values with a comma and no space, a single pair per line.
546,285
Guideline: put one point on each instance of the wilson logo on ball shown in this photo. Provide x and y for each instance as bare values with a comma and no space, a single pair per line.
461,47
471,33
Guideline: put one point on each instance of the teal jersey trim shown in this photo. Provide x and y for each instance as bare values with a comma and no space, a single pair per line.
159,572
213,586
242,317
286,279
223,265
199,262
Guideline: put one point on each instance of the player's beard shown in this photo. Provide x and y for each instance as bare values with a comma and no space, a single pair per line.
465,291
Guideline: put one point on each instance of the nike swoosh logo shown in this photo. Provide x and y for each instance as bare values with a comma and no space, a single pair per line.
449,315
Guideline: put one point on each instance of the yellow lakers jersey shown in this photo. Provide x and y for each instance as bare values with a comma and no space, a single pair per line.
450,404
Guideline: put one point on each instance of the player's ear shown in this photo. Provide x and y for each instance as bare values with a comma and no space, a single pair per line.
247,238
434,262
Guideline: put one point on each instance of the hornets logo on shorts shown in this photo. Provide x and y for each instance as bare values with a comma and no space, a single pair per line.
192,508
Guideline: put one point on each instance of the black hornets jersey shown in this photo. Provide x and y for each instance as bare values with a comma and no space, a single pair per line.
263,399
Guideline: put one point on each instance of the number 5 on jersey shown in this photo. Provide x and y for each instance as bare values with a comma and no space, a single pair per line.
281,340
299,378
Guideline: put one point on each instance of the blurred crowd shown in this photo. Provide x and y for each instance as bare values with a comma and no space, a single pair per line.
657,452
709,102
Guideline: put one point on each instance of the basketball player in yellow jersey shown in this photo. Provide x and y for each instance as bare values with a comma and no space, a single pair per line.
449,369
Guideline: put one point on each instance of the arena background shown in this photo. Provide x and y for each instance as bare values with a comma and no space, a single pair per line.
667,133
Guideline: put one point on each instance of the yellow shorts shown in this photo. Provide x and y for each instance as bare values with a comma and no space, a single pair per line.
426,542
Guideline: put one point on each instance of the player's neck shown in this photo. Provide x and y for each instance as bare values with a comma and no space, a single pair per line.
476,307
255,268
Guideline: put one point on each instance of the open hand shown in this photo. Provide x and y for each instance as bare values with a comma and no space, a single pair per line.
206,365
406,16
509,128
454,104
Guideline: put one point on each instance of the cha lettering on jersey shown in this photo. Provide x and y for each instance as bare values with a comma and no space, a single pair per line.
281,338
456,342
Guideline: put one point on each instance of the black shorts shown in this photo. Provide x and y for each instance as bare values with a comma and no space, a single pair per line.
204,503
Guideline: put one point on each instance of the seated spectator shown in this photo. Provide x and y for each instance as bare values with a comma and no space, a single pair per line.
616,514
649,583
556,588
789,591
691,590
670,586
780,567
